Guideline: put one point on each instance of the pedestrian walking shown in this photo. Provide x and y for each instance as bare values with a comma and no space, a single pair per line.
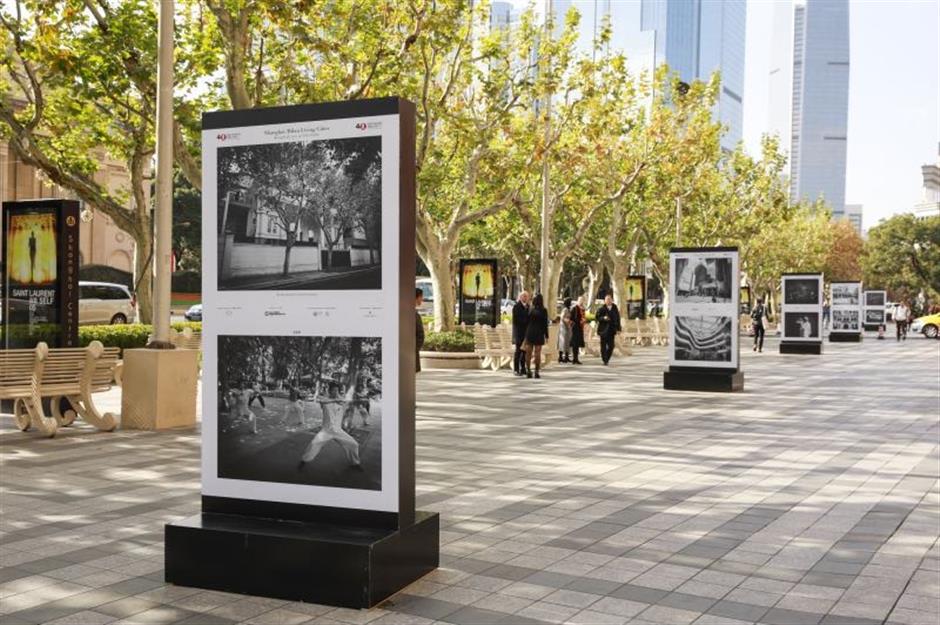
577,329
902,313
608,325
536,333
564,331
758,314
826,311
520,319
419,328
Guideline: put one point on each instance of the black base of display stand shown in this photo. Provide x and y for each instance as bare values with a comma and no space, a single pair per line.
354,567
676,379
791,347
840,337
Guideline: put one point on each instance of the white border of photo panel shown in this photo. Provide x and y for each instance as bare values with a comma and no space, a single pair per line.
857,307
305,313
698,309
815,309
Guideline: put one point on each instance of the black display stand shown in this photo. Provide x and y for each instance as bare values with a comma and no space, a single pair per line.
333,563
346,557
845,337
800,347
695,379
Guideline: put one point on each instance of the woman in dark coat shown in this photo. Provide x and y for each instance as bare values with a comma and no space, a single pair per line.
536,333
577,330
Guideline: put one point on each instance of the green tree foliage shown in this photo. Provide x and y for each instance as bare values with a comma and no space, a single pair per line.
902,254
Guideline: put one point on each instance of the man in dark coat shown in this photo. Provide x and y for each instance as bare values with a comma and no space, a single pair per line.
419,328
608,325
520,319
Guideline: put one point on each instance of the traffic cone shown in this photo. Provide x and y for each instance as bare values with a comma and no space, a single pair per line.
881,332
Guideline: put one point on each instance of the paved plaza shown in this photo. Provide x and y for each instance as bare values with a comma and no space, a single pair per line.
591,496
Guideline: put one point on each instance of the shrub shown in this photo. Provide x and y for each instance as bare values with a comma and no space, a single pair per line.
458,341
127,336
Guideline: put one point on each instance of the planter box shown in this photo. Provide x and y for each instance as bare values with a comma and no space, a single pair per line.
158,389
450,360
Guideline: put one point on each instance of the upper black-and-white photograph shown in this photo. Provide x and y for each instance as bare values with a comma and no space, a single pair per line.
703,280
301,215
843,320
801,325
300,410
705,338
801,291
874,298
845,294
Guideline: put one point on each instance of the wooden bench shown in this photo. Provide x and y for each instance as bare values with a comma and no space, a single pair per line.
74,373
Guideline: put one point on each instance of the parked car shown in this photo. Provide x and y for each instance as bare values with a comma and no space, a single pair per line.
427,287
928,325
105,302
194,313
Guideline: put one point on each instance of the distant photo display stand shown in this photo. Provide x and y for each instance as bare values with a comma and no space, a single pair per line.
308,427
846,310
801,313
703,320
635,297
479,295
875,312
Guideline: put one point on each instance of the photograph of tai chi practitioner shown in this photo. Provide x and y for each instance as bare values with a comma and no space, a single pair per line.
301,410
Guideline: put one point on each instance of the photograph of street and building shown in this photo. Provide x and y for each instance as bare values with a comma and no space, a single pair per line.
801,325
703,280
845,320
845,294
875,298
300,410
302,215
801,291
705,338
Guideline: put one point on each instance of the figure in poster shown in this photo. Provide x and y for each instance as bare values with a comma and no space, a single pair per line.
32,255
333,407
477,279
295,407
239,404
806,328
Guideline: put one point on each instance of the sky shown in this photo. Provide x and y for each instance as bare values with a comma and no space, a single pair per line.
894,98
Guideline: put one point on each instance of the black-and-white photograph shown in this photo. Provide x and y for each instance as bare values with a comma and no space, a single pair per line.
874,317
845,294
801,291
300,410
703,280
801,325
844,320
874,298
703,338
301,215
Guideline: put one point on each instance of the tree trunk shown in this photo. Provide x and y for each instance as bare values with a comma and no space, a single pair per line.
619,270
442,279
595,275
287,247
143,277
329,254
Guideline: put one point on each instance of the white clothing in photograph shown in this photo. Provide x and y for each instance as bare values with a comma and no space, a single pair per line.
332,430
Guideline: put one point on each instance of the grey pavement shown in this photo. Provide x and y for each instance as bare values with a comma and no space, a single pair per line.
590,496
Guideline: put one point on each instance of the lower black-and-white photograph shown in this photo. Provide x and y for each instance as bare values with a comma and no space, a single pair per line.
301,410
801,291
300,215
844,320
703,280
874,317
845,294
703,338
801,325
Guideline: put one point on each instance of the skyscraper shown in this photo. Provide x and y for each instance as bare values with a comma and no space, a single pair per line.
809,96
694,37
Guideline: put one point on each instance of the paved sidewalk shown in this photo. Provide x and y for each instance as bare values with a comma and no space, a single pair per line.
590,496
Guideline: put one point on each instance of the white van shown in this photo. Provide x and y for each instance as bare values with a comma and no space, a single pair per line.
105,303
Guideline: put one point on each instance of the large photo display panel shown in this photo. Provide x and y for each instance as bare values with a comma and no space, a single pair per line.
846,300
705,294
802,307
302,298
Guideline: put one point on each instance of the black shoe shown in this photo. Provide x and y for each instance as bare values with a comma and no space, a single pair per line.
560,360
537,375
576,362
528,374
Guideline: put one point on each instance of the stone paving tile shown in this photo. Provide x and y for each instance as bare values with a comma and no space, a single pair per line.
606,500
